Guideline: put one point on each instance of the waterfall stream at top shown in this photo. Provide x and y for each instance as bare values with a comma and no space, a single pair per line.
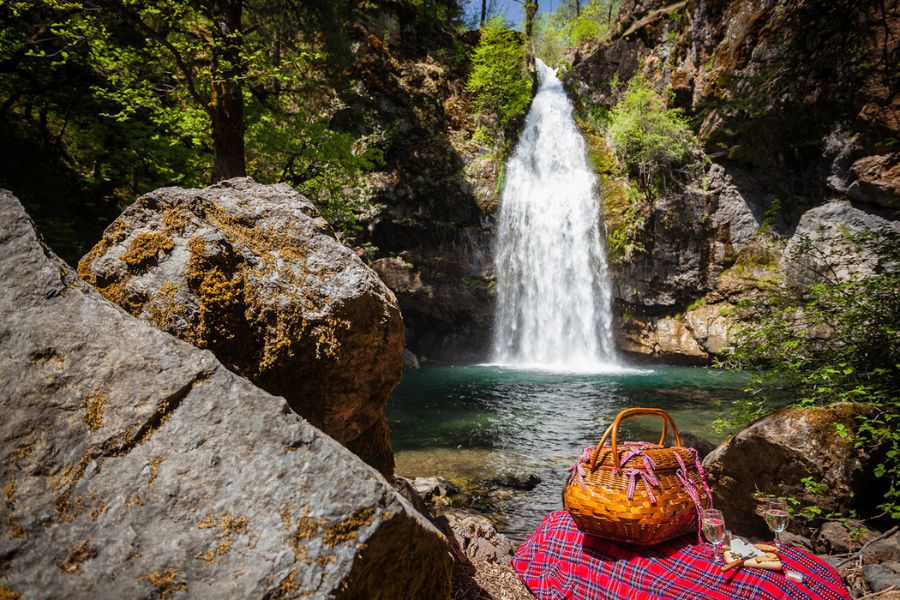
553,294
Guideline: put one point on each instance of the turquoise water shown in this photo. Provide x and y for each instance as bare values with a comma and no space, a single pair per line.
472,422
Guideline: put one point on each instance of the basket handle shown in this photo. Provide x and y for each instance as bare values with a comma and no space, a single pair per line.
628,413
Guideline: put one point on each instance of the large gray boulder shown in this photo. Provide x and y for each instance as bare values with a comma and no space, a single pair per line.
773,455
253,273
134,465
822,245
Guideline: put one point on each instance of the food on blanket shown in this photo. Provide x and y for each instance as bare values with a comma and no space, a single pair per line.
756,556
770,562
766,547
730,564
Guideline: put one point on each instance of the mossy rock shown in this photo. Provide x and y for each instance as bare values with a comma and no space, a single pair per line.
254,274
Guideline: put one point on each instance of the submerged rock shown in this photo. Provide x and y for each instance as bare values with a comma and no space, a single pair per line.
136,466
253,273
775,453
516,481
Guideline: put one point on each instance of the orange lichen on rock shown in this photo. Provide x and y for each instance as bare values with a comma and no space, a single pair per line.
93,404
145,249
165,582
348,528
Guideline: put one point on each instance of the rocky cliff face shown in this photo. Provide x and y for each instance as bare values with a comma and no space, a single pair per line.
137,466
431,239
796,106
253,273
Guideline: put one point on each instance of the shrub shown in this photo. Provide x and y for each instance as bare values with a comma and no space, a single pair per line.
499,79
650,139
832,340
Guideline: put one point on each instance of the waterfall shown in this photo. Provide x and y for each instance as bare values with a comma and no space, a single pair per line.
553,292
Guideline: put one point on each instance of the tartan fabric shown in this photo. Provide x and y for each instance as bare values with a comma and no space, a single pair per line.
559,561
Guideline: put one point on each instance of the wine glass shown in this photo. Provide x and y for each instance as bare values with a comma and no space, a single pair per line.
713,524
777,518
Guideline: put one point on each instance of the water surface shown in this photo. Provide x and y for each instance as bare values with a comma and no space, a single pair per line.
472,422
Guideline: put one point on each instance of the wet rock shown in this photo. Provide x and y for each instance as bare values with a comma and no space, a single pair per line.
673,338
135,465
772,456
437,190
434,487
398,275
673,267
737,209
253,273
713,61
882,576
516,481
410,360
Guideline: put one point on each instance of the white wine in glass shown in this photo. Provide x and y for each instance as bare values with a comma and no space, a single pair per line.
713,525
777,518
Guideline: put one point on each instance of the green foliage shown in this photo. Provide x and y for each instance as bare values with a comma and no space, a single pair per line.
499,79
118,98
557,31
829,339
293,146
652,140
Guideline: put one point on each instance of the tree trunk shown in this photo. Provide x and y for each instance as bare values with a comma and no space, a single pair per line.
226,106
531,8
577,8
483,11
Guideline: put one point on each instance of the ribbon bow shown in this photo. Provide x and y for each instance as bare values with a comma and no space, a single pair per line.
577,469
646,474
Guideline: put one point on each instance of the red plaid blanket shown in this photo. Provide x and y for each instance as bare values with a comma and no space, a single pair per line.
558,561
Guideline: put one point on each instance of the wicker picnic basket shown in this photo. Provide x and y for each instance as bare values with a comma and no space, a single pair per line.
637,492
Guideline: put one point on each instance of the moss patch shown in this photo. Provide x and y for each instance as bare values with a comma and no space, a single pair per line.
9,490
230,525
145,249
166,582
154,469
348,529
93,405
175,219
9,594
114,234
288,586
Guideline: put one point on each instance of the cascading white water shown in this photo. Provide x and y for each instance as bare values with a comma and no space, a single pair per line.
553,293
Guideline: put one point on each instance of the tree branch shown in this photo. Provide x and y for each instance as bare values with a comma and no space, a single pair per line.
185,69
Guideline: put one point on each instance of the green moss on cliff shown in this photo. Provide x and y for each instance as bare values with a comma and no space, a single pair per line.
624,206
